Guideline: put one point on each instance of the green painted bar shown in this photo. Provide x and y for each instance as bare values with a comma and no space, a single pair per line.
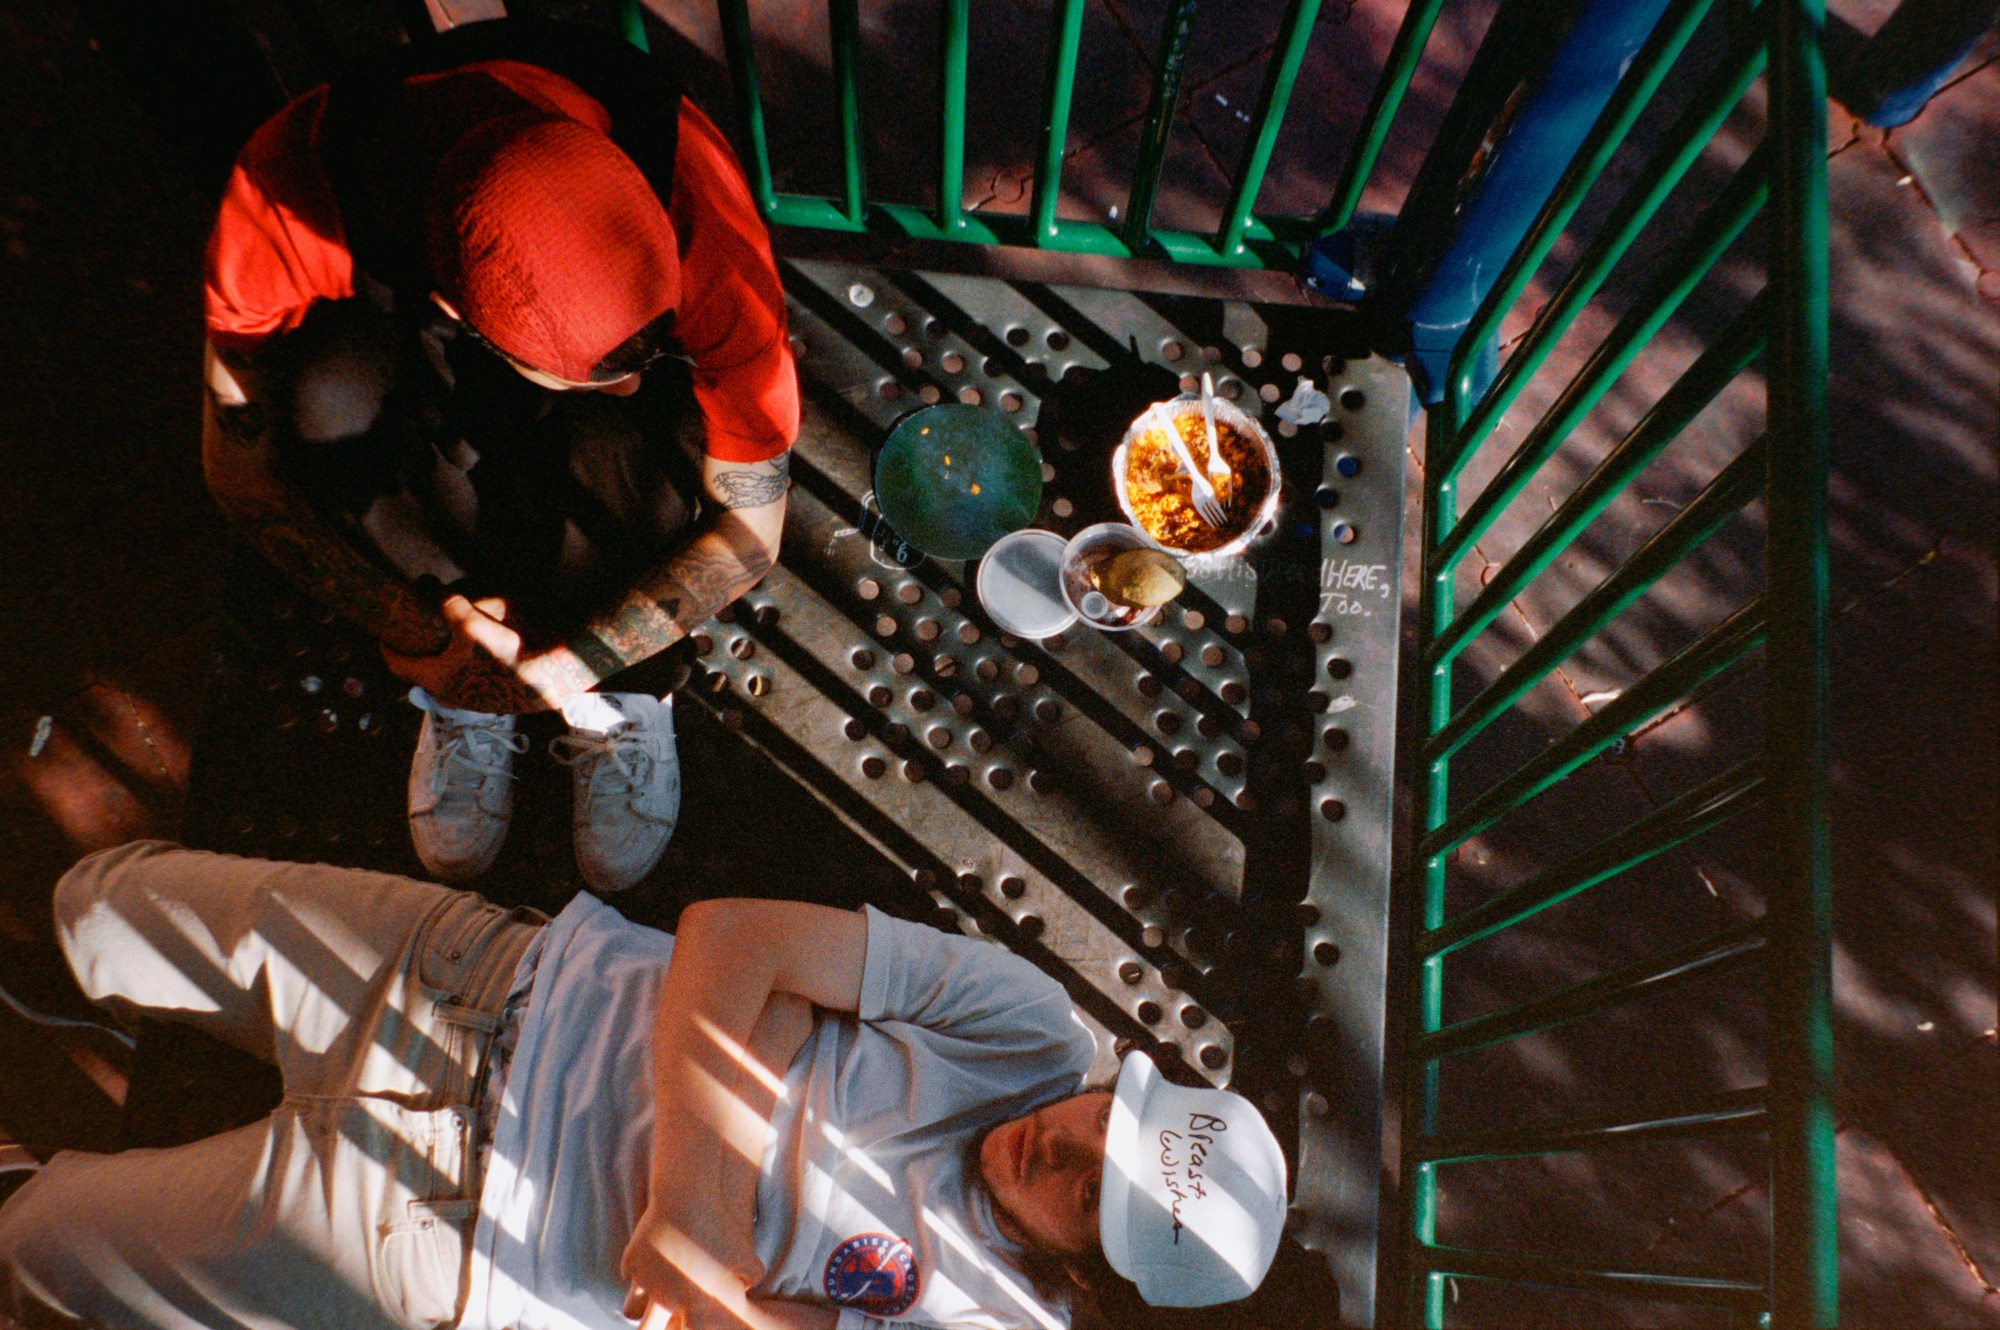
1713,1115
845,19
1725,358
1383,104
1658,974
1651,1285
735,17
1606,136
1717,649
1804,1186
1722,498
951,128
1700,809
1280,75
1065,39
1675,278
631,23
1174,33
1683,144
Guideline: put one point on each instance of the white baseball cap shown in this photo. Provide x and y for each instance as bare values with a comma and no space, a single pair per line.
1193,1199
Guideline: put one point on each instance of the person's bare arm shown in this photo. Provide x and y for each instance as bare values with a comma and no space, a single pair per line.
239,454
724,1020
736,546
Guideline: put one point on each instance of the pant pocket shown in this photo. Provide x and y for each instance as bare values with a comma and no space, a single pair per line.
418,1265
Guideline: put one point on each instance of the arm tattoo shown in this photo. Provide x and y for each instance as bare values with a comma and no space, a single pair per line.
710,571
755,487
284,529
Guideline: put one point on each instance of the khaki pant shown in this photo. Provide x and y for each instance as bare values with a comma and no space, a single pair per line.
349,1207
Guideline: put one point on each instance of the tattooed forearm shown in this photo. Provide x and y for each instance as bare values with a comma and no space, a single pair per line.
755,486
238,461
713,569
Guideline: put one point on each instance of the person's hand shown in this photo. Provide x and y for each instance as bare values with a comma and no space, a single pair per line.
483,668
685,1272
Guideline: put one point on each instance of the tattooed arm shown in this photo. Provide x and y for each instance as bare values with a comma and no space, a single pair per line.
239,460
485,670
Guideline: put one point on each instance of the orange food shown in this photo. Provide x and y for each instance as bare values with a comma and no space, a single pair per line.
1161,495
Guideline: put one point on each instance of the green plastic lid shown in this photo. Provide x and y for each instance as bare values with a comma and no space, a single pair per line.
953,479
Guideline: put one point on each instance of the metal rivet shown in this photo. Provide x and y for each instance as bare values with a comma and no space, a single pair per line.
1017,336
962,703
1142,755
1307,914
1335,738
968,633
1333,810
1253,356
1153,936
1320,632
987,669
1229,763
1344,533
1131,971
885,625
909,593
1275,626
863,659
1147,685
1213,656
1207,726
903,662
952,362
971,883
970,396
1171,652
1193,1017
1135,896
855,730
1213,1057
1150,1013
742,648
1026,674
1189,383
1269,392
872,767
1339,667
1167,722
1031,926
922,699
1000,778
896,734
1013,888
913,773
1316,1104
943,666
758,685
1160,792
939,737
1292,362
1233,692
1245,801
1172,350
1048,711
878,696
895,325
980,740
1315,772
1326,953
1353,398
927,630
1062,507
732,719
889,389
1203,797
1057,339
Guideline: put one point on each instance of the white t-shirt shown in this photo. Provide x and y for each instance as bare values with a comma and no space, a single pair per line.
867,1198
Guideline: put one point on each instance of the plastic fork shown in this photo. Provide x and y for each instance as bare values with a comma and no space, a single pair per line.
1219,474
1206,505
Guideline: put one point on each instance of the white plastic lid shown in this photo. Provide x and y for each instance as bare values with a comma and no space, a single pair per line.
1020,584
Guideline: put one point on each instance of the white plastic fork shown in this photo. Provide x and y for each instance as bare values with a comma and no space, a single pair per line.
1219,473
1206,505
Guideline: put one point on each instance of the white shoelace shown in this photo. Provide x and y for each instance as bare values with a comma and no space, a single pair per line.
473,745
624,746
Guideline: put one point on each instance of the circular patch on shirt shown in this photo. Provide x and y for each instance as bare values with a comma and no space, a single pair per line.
874,1273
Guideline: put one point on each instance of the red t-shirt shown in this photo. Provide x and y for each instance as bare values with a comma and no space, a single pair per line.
278,247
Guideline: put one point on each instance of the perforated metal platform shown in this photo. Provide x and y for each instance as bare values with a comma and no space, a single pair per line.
1189,823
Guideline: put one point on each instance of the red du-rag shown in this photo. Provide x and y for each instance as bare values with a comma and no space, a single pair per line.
549,241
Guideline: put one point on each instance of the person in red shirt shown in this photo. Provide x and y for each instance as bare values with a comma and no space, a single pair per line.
497,368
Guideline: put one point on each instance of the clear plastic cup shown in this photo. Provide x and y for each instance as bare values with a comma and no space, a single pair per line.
1088,548
1019,584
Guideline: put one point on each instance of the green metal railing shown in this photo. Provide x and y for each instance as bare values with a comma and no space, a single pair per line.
1244,238
1783,627
1786,325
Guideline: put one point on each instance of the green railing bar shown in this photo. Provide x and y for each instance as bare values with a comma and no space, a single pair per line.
1383,103
1725,358
1718,649
1711,1115
1279,77
951,127
736,42
1706,806
1269,247
1736,485
1710,238
1804,1192
845,18
1685,143
1606,136
1065,38
631,23
1653,1285
1159,123
1657,974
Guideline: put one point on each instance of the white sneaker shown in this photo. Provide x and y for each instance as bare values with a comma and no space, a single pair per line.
627,781
461,787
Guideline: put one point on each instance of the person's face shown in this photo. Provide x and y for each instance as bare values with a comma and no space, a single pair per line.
1043,1171
622,386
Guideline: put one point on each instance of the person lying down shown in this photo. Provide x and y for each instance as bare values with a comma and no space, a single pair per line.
781,1115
